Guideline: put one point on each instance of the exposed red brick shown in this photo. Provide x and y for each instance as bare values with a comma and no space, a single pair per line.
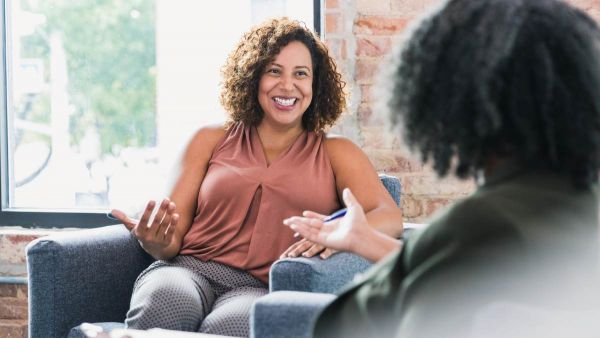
364,112
13,290
436,204
373,6
337,48
411,7
366,93
372,145
333,23
331,4
428,184
373,46
16,238
366,71
404,164
13,308
379,25
411,207
13,328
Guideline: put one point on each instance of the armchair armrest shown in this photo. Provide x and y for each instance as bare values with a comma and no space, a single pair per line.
287,314
315,274
82,276
328,276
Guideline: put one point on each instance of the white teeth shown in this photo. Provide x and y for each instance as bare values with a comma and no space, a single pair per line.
285,102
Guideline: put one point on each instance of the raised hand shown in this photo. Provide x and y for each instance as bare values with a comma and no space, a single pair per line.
155,234
339,234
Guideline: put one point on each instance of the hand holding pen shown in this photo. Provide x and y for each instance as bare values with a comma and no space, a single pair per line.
340,230
335,215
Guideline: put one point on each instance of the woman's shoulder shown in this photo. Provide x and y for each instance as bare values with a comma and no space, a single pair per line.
336,143
209,134
206,138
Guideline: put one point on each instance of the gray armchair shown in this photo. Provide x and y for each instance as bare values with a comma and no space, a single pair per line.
88,276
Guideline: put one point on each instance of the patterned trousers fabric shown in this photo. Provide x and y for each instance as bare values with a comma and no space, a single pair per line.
187,294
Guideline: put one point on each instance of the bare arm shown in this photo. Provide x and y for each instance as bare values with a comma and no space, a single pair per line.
162,237
353,170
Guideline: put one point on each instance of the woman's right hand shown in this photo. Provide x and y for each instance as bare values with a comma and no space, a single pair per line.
155,234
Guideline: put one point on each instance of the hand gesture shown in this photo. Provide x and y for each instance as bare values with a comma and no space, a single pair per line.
154,235
339,234
307,248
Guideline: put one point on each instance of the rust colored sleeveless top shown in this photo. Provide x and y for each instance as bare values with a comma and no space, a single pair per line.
242,201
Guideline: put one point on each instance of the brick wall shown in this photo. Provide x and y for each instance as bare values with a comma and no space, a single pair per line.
360,33
13,311
13,297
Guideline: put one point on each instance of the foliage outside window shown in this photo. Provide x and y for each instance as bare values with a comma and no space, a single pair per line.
102,94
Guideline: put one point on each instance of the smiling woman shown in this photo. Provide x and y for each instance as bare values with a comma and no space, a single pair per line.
217,234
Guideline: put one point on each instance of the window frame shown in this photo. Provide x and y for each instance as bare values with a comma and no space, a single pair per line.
53,218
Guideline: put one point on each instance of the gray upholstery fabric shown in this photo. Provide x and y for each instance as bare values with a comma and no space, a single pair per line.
88,276
393,186
315,274
83,276
272,318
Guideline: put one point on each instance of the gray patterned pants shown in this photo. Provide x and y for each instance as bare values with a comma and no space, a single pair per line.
187,294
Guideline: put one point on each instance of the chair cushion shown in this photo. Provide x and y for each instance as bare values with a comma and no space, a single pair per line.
287,314
316,274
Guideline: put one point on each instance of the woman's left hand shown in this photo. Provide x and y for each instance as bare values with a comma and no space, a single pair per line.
351,232
341,234
306,248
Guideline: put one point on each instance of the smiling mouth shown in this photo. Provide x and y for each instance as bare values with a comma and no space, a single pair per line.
286,102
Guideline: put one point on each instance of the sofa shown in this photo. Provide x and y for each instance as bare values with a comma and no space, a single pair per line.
88,276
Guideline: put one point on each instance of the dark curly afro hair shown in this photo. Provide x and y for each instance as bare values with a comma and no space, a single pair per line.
257,48
520,79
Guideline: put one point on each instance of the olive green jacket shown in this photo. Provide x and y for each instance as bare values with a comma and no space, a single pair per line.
521,241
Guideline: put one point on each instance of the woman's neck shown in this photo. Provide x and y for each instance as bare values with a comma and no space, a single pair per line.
278,137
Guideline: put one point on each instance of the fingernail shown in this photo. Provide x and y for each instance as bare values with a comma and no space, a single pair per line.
296,235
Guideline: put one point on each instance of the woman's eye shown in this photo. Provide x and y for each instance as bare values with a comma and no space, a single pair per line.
302,73
273,71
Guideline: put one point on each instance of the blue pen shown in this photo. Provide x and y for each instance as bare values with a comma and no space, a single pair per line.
337,214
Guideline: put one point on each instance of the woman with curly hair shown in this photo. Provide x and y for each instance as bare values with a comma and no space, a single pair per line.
219,231
506,92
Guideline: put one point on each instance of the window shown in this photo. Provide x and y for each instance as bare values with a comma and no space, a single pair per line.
100,96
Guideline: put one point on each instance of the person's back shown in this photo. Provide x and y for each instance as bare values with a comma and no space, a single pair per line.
523,248
520,251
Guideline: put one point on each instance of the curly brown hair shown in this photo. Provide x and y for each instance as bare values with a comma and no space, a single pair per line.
257,48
